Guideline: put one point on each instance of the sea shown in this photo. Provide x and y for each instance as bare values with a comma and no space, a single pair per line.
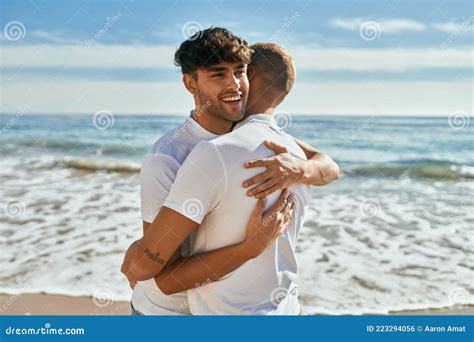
394,232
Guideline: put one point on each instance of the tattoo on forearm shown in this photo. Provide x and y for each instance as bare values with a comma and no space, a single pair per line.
154,256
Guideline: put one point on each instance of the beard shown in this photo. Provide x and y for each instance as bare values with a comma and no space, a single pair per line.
228,111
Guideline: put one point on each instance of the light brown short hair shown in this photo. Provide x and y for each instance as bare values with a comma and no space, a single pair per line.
275,64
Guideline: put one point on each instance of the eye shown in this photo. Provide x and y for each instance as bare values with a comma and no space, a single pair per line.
217,75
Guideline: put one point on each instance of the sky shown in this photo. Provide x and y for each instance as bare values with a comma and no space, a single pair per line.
386,57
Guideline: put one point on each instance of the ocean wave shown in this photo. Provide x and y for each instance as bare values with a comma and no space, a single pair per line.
430,169
102,165
76,145
85,164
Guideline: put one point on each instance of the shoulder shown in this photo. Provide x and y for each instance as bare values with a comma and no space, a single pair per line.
176,144
206,150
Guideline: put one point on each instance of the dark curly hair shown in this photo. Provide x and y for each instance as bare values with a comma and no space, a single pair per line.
211,46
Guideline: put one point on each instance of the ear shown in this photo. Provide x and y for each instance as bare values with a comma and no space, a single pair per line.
250,72
190,83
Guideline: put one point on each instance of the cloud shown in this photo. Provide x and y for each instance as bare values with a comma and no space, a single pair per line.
386,25
399,25
380,97
161,56
386,60
334,97
452,27
48,94
82,56
56,37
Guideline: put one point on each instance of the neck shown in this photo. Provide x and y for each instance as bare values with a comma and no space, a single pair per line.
262,110
212,123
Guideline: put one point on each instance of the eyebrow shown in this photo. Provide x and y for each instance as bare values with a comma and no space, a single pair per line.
217,68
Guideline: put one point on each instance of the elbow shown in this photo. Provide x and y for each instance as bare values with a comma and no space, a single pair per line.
133,266
332,173
336,171
139,273
134,271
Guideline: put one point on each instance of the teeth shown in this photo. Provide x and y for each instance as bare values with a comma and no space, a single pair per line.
228,99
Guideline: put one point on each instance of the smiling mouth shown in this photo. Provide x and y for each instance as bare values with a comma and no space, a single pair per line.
231,99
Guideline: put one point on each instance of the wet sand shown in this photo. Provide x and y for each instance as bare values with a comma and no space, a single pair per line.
47,304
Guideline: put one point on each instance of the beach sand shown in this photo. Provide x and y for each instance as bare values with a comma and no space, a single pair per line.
46,304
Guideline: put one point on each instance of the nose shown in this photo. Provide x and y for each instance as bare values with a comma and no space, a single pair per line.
233,83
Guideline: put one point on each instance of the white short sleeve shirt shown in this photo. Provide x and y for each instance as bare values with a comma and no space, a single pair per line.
157,175
208,189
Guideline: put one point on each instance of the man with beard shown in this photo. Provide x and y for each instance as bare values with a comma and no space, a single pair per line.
214,65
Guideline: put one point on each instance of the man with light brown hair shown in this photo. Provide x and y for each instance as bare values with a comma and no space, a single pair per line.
274,77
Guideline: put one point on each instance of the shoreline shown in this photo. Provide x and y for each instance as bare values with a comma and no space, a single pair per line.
48,304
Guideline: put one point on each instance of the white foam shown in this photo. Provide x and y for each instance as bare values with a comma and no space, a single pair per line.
411,255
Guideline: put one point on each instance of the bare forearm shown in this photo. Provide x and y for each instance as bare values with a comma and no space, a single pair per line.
318,169
186,273
321,170
141,263
147,256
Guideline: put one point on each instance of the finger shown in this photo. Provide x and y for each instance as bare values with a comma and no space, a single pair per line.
287,212
287,205
258,212
277,148
279,229
288,217
277,186
264,162
262,187
282,227
278,204
257,179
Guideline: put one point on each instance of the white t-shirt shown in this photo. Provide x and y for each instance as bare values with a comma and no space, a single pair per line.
157,174
264,285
